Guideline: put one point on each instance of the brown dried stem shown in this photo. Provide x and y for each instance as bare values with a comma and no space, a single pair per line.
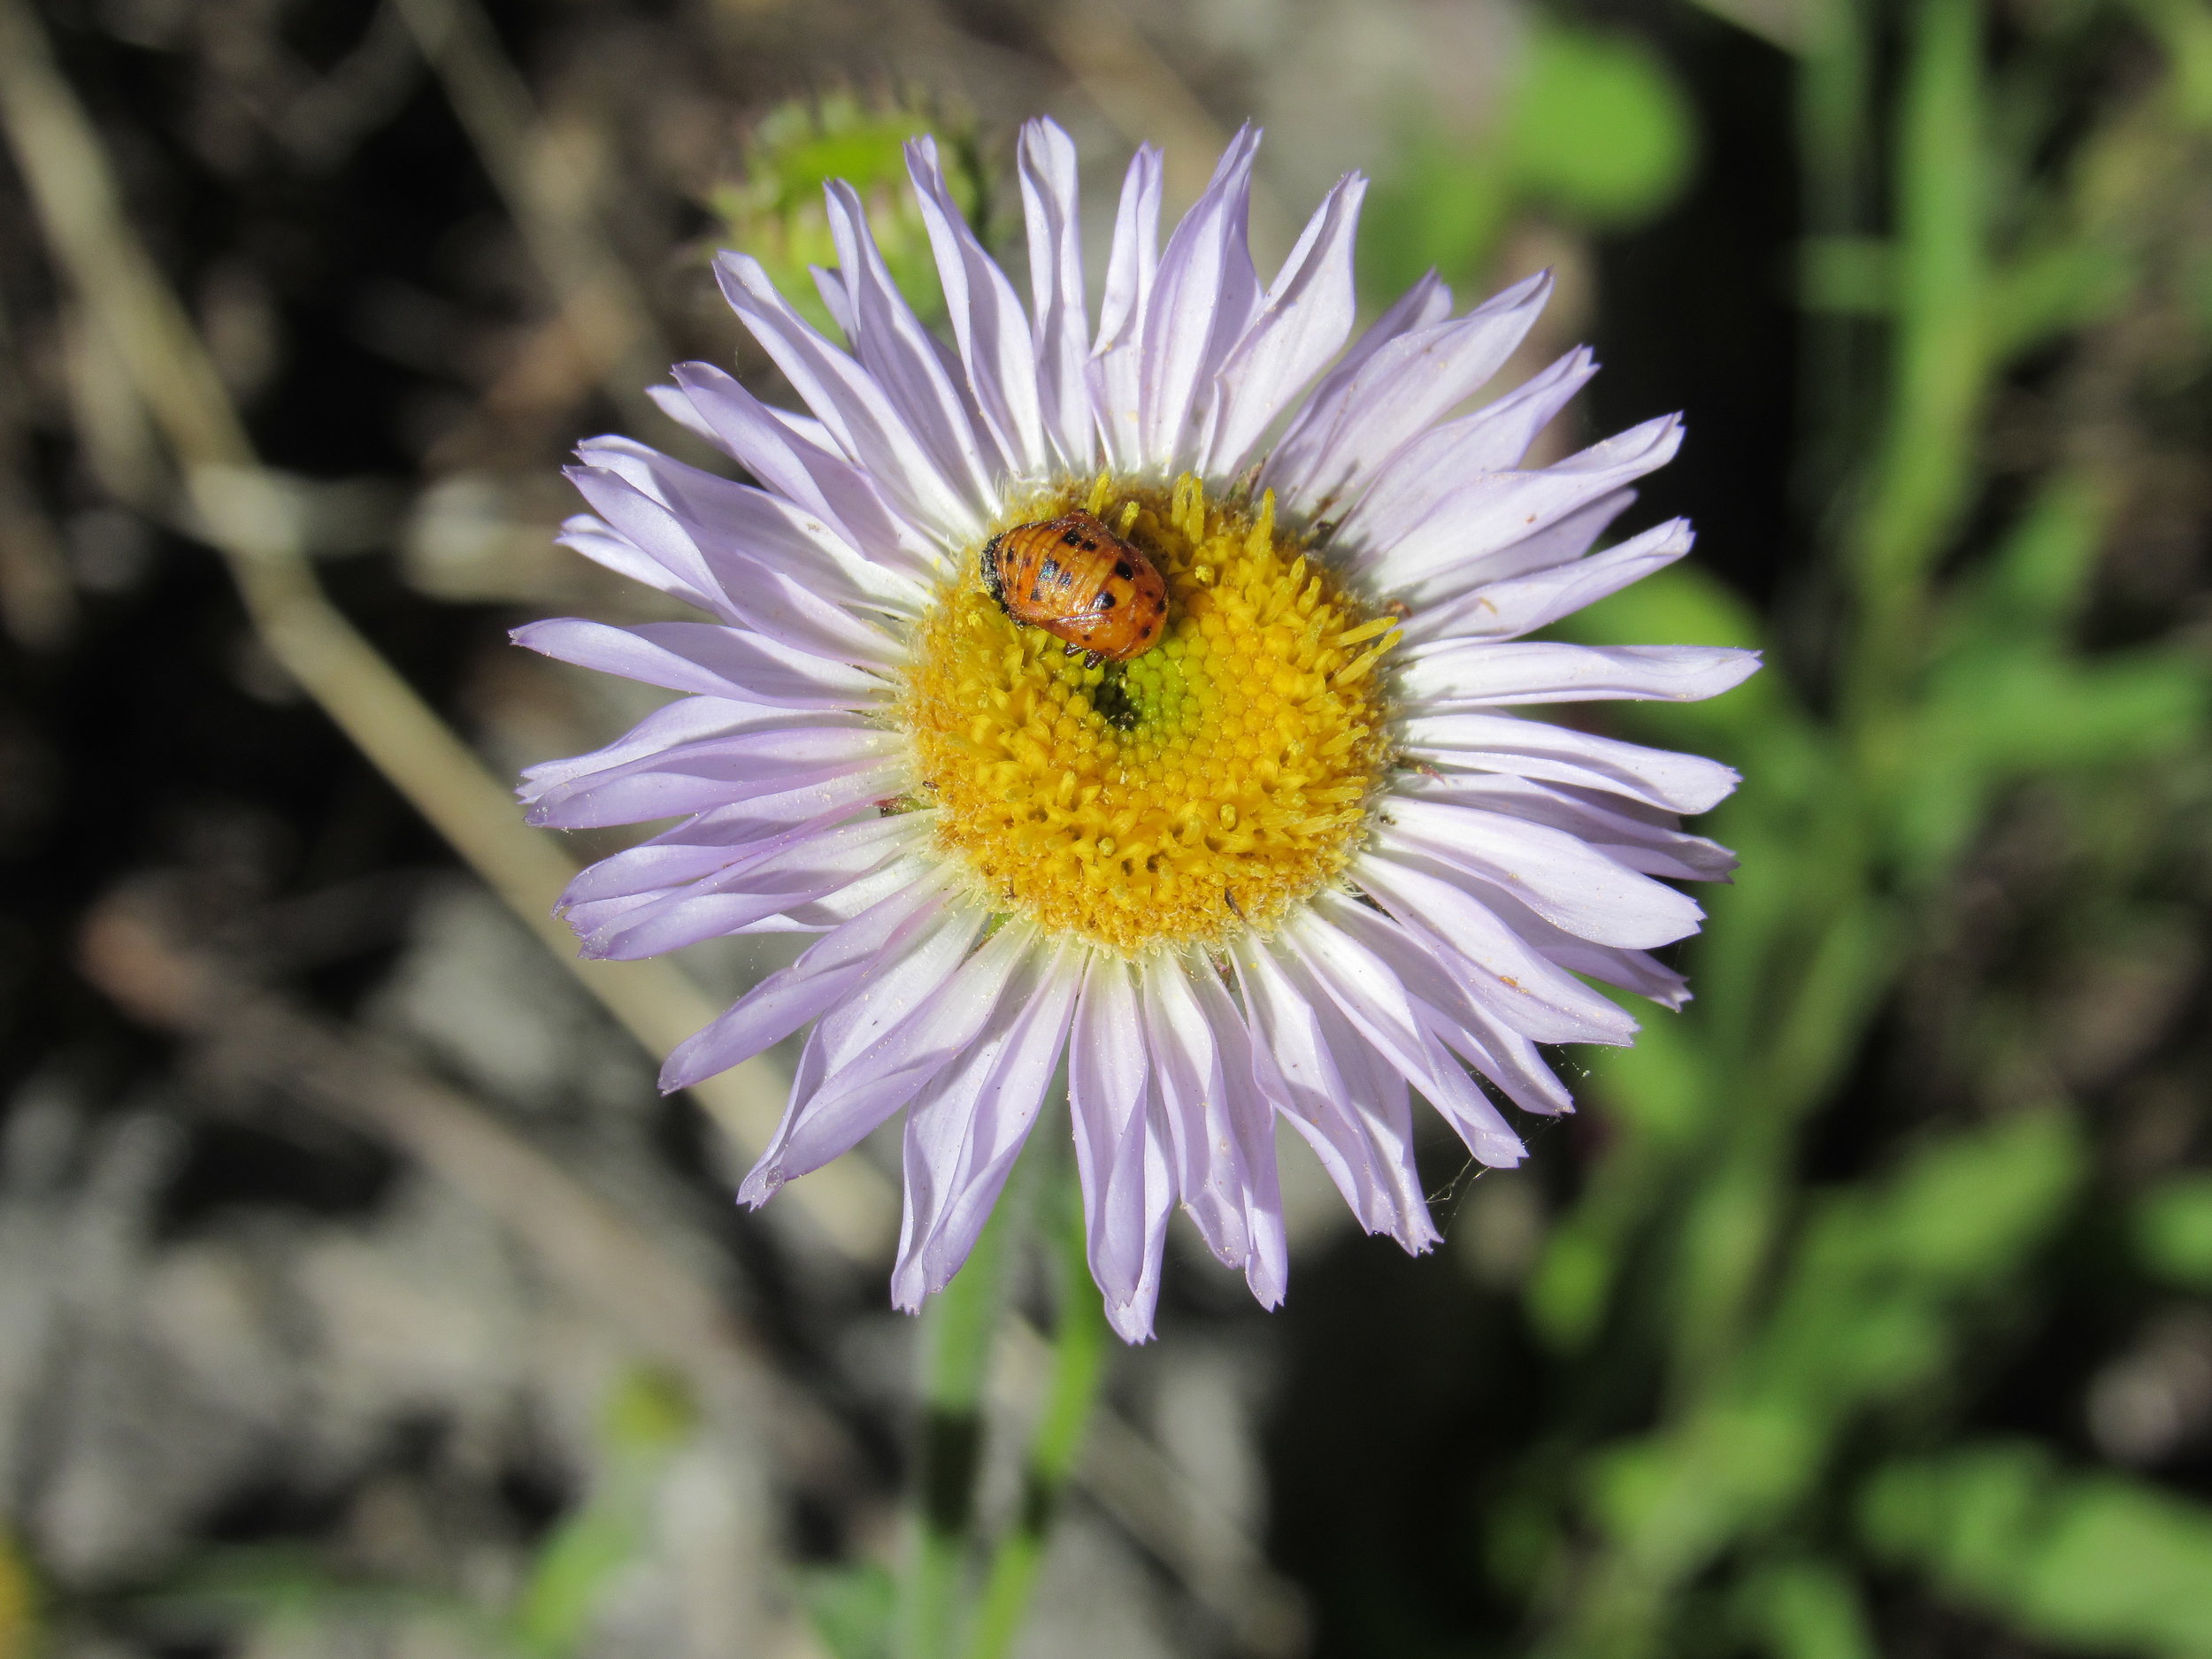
244,512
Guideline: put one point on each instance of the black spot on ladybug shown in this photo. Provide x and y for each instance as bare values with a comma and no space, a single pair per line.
1123,569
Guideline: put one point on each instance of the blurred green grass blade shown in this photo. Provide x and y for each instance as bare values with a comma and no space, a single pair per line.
2095,1561
573,1571
1662,1092
2172,1229
1729,1226
854,1609
1767,945
291,1587
1849,967
959,1327
1939,361
648,1416
1832,110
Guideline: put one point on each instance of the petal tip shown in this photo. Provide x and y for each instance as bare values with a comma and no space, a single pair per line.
762,1183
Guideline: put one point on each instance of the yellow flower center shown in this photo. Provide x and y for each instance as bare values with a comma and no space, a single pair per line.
1205,786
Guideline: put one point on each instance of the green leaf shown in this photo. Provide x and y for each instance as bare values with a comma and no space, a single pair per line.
1600,129
1967,1210
1567,1294
2096,1561
572,1573
2173,1229
1807,1609
2184,30
1660,1083
1683,605
1866,1312
2052,292
1926,466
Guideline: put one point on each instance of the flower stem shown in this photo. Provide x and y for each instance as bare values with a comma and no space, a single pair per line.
957,1329
1079,1363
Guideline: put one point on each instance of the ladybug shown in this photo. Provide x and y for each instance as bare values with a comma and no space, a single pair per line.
1079,582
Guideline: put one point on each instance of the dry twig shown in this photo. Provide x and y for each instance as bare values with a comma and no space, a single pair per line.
246,513
549,198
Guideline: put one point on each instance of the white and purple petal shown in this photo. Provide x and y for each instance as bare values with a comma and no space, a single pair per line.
965,1130
1122,1154
1061,329
1512,862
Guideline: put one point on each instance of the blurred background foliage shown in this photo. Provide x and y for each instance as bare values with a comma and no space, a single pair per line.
1589,129
357,1294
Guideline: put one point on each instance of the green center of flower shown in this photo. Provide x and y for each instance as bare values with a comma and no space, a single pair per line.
1207,785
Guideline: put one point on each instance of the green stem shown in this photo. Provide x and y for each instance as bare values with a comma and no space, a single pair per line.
1833,99
957,1331
1078,1362
1939,366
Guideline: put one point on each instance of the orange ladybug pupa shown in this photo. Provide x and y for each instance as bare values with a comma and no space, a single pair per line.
1079,582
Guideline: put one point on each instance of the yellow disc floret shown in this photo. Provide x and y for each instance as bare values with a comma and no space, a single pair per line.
1205,786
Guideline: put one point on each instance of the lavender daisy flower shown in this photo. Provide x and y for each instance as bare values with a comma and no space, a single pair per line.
1300,856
